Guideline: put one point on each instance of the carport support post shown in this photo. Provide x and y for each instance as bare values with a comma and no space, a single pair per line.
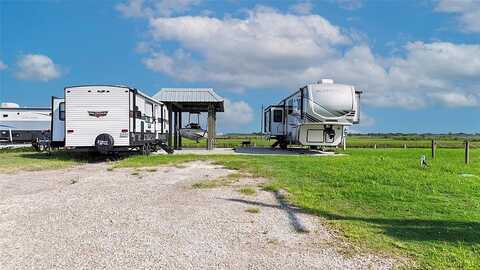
175,130
211,127
170,126
179,127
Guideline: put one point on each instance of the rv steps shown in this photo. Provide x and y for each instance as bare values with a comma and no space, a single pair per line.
166,148
275,144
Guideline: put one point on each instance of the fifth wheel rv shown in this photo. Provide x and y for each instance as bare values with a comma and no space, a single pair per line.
108,119
316,115
23,124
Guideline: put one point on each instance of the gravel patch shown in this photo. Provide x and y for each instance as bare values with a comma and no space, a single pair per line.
90,217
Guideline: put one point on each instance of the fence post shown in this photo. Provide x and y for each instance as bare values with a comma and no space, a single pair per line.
434,149
375,146
405,146
467,152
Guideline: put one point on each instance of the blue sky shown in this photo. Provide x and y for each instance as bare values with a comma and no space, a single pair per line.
418,62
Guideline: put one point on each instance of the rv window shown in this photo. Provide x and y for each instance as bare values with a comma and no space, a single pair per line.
147,119
277,116
290,106
61,111
138,114
5,115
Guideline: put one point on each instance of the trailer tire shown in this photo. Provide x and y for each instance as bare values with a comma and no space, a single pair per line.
104,143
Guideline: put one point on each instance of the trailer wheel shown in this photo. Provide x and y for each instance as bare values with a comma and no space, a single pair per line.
283,145
104,143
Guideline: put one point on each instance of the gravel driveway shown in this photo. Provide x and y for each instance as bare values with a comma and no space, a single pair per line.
89,217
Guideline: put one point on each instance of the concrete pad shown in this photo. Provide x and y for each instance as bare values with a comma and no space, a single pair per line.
14,146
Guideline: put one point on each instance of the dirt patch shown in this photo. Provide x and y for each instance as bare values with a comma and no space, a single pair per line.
93,217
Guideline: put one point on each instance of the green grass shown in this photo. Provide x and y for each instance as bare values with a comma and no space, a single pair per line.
13,161
355,141
378,198
253,210
381,199
247,191
218,182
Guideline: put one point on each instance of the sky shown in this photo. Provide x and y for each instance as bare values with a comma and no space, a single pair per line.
417,62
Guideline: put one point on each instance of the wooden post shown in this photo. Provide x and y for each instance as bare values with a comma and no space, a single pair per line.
214,128
179,127
405,146
434,149
375,146
175,130
467,152
170,126
211,127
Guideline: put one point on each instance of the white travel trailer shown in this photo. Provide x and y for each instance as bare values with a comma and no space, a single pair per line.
316,115
23,124
108,119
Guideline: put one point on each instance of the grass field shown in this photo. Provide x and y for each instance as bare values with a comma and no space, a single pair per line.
27,160
380,199
353,141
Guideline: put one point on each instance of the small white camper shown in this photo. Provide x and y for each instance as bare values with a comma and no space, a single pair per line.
315,115
108,119
23,124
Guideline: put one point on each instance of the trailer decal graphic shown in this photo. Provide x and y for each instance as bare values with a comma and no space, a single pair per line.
98,114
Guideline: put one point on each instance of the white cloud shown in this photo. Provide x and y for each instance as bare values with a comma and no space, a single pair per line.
3,65
457,99
261,50
151,8
237,114
367,123
302,8
132,8
349,4
468,12
366,120
268,49
37,67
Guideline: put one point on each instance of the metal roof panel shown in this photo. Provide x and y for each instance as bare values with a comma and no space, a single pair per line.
188,95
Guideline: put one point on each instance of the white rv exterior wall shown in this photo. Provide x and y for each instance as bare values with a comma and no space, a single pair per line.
79,102
25,118
58,125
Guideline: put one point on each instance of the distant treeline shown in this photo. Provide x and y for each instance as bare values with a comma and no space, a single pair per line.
416,136
394,136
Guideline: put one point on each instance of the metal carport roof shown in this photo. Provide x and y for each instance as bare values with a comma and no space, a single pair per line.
191,99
